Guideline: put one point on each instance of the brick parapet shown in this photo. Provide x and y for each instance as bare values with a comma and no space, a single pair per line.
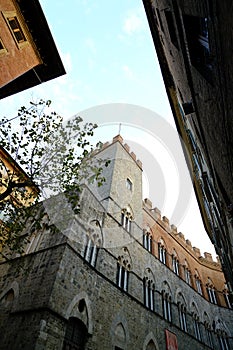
179,237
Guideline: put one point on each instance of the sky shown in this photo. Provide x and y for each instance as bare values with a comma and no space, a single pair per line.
112,78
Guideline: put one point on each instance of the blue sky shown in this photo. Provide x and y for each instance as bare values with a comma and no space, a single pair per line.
109,57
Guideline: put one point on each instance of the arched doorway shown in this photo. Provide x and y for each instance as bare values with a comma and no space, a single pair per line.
76,335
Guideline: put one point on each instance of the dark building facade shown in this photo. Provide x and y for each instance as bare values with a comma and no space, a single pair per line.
116,275
193,40
28,54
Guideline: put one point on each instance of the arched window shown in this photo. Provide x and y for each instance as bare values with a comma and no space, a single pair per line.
227,300
223,340
175,263
8,298
147,239
119,337
226,297
126,219
182,316
151,345
208,334
123,268
150,342
196,322
148,288
182,311
198,282
34,240
76,335
162,251
94,242
211,292
187,273
129,184
166,304
221,335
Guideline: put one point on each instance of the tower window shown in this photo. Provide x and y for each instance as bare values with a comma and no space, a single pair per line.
129,184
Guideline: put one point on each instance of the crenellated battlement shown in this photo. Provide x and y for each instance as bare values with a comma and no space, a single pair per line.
164,222
118,138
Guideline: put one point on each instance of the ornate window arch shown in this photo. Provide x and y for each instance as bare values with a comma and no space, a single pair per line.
222,335
187,272
223,340
208,330
175,263
211,291
147,238
166,302
162,251
182,310
127,218
226,296
196,321
123,268
148,289
94,240
198,282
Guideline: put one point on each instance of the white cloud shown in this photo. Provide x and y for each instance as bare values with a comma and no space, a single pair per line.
128,72
133,23
89,42
90,63
87,5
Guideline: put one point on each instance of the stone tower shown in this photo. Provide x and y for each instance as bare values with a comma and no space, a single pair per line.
121,194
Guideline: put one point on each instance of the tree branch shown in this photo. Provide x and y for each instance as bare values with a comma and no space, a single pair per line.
11,187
